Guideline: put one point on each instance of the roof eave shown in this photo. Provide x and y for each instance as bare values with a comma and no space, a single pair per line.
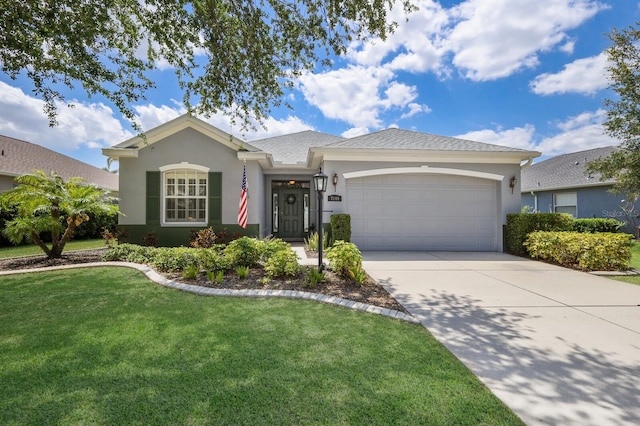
181,123
397,155
117,153
566,187
264,159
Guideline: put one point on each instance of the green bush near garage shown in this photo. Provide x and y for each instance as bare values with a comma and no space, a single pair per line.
602,251
520,225
596,224
341,227
344,257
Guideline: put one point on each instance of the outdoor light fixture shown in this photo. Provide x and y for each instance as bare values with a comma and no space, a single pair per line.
512,183
335,182
320,185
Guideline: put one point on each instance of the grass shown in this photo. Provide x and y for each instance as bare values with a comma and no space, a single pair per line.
29,250
105,346
635,263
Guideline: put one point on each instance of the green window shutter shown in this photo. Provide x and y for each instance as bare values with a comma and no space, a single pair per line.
215,198
153,198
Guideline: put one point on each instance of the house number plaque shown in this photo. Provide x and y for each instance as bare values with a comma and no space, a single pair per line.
334,197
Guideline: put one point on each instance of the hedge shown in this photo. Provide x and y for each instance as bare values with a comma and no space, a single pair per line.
519,225
603,251
341,227
592,225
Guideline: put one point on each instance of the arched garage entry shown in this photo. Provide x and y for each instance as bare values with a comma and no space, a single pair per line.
423,208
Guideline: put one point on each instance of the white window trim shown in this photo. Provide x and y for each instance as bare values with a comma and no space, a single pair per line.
181,166
555,205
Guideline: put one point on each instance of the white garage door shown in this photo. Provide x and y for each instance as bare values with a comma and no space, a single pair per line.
423,212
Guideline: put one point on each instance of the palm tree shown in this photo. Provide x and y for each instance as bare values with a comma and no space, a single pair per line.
48,203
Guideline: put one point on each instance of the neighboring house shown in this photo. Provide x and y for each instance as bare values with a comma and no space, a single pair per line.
19,157
404,190
562,185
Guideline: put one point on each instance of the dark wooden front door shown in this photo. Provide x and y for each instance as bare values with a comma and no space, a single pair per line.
291,212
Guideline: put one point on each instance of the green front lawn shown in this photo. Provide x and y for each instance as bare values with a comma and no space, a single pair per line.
635,263
106,346
32,249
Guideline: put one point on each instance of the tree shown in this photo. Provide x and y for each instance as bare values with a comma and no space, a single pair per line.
623,114
253,50
49,204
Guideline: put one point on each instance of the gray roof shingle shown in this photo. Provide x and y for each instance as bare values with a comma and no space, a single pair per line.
410,140
294,148
19,157
564,171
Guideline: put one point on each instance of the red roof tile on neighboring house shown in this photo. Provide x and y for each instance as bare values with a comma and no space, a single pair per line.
18,157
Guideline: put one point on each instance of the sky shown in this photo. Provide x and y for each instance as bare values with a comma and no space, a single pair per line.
527,74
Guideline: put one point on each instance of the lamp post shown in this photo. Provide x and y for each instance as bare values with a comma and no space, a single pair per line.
320,185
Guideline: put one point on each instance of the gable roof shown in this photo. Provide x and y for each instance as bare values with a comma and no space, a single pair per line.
564,171
130,147
399,139
307,149
18,157
405,145
294,148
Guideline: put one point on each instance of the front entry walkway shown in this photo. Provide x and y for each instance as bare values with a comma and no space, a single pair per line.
559,347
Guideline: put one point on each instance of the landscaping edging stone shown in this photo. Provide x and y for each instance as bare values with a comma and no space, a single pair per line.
208,291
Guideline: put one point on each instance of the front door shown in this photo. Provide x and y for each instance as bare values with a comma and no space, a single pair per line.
291,212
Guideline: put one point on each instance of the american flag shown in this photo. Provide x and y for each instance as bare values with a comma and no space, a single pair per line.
242,209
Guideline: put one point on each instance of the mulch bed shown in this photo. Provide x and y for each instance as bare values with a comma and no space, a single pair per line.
369,292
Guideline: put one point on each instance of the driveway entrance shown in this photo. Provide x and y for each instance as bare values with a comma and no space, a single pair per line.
559,347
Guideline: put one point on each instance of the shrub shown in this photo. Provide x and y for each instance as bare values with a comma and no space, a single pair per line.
215,276
592,225
150,239
242,271
358,275
244,251
519,225
204,238
94,227
130,253
344,257
341,227
311,243
314,276
213,259
282,263
190,272
273,245
585,251
175,258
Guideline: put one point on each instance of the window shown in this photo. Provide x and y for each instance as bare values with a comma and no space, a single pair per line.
185,196
566,202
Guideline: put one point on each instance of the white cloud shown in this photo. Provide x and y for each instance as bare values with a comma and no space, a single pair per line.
276,127
577,133
518,137
496,38
417,42
150,116
356,95
86,124
414,109
355,131
584,131
585,76
568,47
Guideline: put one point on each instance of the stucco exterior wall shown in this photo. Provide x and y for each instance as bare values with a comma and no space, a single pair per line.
194,148
6,183
508,202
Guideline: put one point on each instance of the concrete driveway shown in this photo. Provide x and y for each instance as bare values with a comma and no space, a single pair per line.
559,347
